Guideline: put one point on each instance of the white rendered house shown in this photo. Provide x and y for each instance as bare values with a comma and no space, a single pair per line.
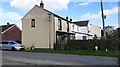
81,30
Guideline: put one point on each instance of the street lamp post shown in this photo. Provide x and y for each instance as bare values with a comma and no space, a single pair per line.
103,20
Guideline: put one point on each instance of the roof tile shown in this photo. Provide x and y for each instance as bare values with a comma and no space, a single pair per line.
5,27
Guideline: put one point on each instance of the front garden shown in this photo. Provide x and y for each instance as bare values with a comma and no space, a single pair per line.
79,52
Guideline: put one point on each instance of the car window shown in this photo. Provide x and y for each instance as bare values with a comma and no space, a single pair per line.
18,42
12,43
5,42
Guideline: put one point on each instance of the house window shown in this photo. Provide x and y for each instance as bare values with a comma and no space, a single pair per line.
33,23
88,31
59,24
73,27
78,29
84,38
67,27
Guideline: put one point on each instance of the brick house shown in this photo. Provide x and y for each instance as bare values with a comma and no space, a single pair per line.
10,32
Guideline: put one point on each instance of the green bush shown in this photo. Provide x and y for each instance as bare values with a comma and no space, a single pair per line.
90,44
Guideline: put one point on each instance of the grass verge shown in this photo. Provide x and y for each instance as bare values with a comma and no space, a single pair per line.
79,52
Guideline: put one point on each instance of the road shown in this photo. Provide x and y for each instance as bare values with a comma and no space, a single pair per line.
28,58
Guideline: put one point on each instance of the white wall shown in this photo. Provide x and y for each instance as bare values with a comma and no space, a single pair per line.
81,31
80,36
39,35
95,30
84,29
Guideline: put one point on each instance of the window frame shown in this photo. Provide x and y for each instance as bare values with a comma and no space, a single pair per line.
59,24
73,27
78,28
32,22
68,27
84,37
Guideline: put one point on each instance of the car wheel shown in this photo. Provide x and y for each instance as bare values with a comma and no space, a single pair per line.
13,48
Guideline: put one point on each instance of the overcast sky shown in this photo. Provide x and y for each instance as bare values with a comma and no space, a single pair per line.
13,10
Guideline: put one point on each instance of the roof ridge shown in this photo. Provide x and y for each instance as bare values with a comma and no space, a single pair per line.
6,25
81,21
54,14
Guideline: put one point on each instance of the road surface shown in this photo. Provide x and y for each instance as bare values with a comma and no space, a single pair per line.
29,58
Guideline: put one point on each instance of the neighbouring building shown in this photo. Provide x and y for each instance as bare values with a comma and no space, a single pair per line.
109,30
46,30
82,30
10,32
95,31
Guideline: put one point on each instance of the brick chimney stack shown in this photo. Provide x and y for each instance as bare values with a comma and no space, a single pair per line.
42,4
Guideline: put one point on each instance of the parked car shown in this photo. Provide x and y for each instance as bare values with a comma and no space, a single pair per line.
11,45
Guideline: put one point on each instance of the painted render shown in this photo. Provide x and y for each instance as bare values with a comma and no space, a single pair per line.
38,35
43,35
80,32
95,30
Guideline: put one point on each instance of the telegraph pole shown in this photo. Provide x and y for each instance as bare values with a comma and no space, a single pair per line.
103,20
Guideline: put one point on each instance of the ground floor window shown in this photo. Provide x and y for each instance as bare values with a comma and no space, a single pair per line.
62,39
84,37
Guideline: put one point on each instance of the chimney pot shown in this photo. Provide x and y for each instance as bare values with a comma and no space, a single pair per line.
42,4
70,19
67,18
8,23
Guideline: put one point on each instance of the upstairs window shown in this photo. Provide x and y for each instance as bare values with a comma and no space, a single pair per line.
59,24
73,27
67,27
78,29
33,23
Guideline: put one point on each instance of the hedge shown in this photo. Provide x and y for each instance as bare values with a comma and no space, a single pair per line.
90,44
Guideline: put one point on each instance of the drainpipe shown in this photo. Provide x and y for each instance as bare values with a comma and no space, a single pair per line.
49,31
70,26
67,24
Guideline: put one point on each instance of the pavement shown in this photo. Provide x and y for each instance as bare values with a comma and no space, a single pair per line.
29,58
10,62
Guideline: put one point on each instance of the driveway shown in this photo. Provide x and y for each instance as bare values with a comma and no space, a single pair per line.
54,59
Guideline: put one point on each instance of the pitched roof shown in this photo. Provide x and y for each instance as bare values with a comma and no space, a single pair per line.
81,23
54,14
5,27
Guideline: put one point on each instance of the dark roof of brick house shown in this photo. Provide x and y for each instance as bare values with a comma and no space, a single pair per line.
5,27
81,23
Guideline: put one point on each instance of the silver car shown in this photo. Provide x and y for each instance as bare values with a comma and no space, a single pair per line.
11,45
